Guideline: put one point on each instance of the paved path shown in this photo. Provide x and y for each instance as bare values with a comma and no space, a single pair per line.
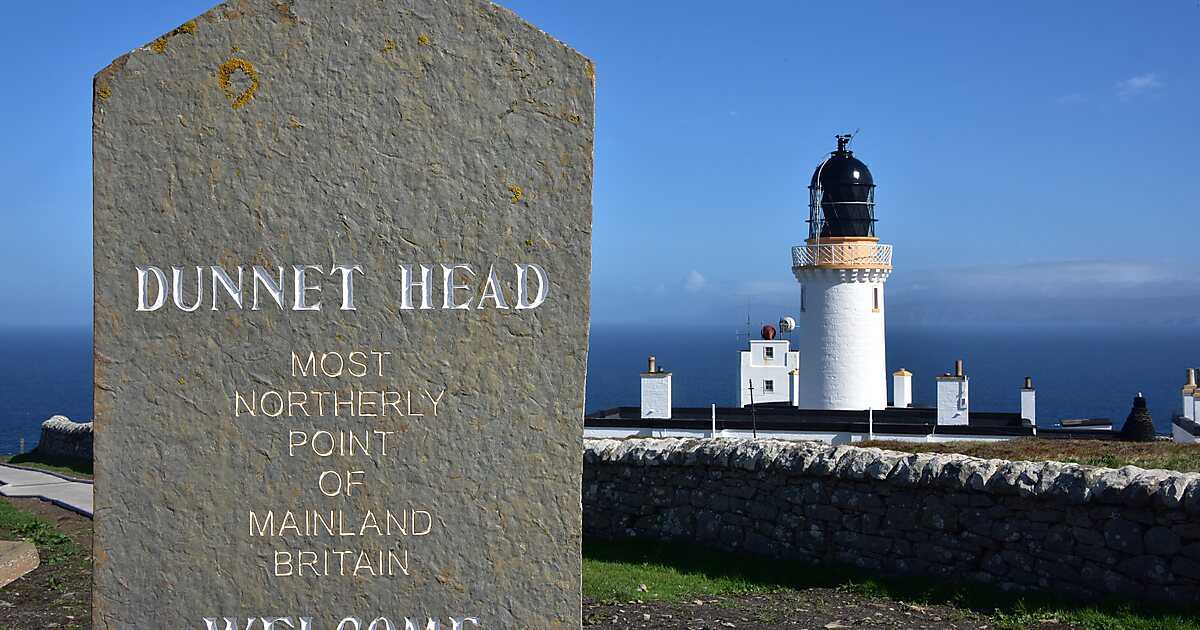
22,482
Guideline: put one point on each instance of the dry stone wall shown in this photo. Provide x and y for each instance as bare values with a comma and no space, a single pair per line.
1080,531
64,438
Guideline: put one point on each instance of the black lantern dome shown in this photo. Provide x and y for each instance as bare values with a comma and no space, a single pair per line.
841,196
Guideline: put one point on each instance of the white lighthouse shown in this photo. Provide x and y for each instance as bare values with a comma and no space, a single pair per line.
841,268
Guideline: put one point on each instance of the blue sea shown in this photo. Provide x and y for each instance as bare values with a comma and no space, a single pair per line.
1080,372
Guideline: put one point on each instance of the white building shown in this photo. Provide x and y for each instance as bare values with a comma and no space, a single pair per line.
841,268
769,372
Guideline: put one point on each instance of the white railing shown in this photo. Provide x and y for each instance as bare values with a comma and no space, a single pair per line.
849,254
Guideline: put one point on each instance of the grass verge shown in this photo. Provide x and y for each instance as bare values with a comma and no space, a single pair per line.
57,594
615,571
53,545
71,466
1109,454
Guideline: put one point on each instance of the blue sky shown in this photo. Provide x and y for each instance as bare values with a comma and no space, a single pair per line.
1034,160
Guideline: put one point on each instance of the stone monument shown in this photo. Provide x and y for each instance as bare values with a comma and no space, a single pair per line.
342,256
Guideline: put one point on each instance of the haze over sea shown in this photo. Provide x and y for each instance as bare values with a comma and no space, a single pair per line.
1079,372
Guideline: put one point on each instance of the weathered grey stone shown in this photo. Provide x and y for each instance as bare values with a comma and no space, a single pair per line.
1186,568
282,134
1110,484
826,462
1173,489
1144,487
982,472
1123,535
883,465
1191,497
1145,569
1161,540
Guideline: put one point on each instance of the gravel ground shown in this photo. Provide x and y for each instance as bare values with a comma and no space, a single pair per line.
818,608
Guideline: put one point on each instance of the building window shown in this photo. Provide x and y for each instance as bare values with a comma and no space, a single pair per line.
875,298
803,298
769,386
768,352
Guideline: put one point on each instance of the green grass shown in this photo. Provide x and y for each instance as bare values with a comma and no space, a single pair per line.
70,466
1109,454
614,571
52,544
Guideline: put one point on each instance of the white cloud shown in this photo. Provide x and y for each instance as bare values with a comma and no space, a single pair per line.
1137,85
1061,278
694,282
1081,291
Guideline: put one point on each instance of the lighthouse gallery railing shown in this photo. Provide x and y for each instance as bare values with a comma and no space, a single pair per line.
849,254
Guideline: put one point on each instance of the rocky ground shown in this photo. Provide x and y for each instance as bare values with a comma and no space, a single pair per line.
817,608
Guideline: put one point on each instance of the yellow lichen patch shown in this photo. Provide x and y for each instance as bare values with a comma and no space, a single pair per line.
528,242
225,72
104,93
388,44
235,49
589,69
566,113
159,45
423,40
188,27
182,381
516,193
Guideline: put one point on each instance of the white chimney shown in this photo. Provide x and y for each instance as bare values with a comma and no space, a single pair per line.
1189,388
952,400
794,379
1029,401
902,388
656,392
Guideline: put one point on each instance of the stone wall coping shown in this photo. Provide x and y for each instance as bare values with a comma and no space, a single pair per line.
1047,480
62,424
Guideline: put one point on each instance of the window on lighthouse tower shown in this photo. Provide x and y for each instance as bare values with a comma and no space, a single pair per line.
803,298
875,300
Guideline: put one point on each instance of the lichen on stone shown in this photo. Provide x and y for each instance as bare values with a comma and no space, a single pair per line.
104,93
388,44
225,72
159,45
516,193
423,40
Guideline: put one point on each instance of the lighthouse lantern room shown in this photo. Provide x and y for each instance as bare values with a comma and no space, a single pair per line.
841,269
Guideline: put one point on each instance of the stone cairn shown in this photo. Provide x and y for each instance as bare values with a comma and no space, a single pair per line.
1139,427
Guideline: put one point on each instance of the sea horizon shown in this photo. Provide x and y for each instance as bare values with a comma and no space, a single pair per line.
1082,371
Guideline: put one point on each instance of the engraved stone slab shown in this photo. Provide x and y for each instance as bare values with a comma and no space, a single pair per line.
342,256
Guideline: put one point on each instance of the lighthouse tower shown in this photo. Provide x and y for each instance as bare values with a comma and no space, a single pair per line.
841,269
